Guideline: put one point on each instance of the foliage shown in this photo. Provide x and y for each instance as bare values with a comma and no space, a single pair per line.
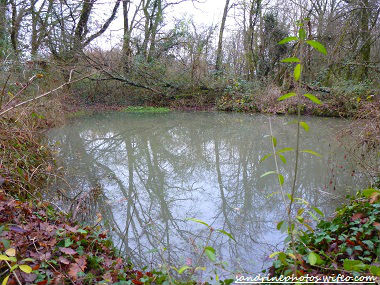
348,243
59,251
24,162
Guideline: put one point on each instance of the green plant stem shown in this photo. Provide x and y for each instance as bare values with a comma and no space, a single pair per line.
202,253
275,160
14,273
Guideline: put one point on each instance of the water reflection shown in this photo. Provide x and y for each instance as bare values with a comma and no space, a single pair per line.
147,173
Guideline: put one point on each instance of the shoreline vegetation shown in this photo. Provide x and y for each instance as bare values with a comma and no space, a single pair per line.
64,59
48,248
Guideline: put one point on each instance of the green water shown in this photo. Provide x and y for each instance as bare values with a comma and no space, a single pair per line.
146,173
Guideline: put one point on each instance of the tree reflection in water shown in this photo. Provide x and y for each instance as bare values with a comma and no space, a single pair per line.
152,171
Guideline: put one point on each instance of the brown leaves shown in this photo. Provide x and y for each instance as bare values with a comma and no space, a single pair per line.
67,250
357,216
61,249
63,260
78,266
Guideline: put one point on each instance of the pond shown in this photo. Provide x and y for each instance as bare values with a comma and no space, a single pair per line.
145,174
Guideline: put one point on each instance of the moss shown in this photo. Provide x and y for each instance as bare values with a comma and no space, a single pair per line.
146,109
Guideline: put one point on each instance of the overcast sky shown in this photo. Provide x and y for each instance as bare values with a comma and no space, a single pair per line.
206,12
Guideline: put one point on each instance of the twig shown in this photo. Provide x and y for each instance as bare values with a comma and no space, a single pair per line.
14,273
45,94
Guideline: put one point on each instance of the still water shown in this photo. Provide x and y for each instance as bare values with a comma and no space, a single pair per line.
145,174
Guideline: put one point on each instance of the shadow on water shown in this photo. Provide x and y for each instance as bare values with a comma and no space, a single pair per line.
147,173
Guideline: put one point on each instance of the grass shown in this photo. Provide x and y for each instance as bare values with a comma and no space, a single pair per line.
146,109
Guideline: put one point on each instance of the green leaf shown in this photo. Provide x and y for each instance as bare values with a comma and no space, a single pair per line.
297,72
368,192
283,159
375,270
26,268
274,254
266,156
286,96
268,173
198,221
318,46
28,259
290,197
290,59
280,179
5,281
285,149
318,211
311,152
183,269
354,265
287,39
302,34
305,126
227,234
312,258
210,252
4,257
313,98
274,141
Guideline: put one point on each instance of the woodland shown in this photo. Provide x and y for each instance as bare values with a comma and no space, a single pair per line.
62,60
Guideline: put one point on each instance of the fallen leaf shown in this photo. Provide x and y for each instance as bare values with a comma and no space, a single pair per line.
63,260
357,216
10,252
78,266
67,250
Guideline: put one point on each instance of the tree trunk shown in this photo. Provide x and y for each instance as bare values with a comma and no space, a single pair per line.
365,50
219,51
3,28
82,29
127,52
157,20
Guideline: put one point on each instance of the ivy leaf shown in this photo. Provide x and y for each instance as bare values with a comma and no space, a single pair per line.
318,46
353,265
297,72
287,39
286,96
313,98
312,258
290,59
